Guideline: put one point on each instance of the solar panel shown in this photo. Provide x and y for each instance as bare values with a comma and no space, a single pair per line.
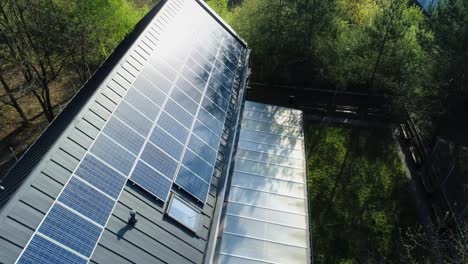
103,177
142,103
42,251
87,201
165,130
192,183
150,90
165,141
113,154
70,230
152,181
124,135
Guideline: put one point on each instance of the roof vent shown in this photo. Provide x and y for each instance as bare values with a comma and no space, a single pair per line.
132,219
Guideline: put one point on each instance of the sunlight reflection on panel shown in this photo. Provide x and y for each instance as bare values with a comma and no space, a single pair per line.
266,215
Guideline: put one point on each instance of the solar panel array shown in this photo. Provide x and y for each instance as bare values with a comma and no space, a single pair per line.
165,130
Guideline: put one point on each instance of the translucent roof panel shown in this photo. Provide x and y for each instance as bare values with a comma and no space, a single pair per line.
265,218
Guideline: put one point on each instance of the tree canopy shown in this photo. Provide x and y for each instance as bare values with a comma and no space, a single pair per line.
42,41
391,47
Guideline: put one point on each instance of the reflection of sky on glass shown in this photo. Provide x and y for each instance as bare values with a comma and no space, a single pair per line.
427,3
266,211
183,213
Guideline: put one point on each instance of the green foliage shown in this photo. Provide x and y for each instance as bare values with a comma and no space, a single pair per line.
383,47
450,24
377,46
43,41
221,8
98,26
280,33
358,193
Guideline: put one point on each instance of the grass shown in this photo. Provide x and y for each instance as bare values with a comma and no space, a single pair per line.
359,195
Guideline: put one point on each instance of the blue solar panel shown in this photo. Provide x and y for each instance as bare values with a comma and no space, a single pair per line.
210,121
101,176
164,141
226,67
198,165
219,88
213,109
151,180
202,149
198,69
217,99
220,77
233,45
202,60
161,66
203,51
180,114
87,201
192,184
70,230
204,133
159,160
42,251
212,42
123,135
172,57
150,90
133,118
189,89
194,79
173,127
142,104
157,78
184,100
229,58
113,154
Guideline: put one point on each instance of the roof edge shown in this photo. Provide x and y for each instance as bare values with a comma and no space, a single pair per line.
219,208
221,21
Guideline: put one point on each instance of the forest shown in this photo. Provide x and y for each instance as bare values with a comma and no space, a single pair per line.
361,208
48,50
416,59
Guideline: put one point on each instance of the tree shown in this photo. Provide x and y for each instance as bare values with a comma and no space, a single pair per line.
9,93
37,44
97,26
282,35
44,38
449,21
9,98
435,245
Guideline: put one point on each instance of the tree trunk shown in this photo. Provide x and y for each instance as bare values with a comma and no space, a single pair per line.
48,114
12,98
48,102
377,62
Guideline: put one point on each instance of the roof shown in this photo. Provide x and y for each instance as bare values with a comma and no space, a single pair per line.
37,198
266,214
